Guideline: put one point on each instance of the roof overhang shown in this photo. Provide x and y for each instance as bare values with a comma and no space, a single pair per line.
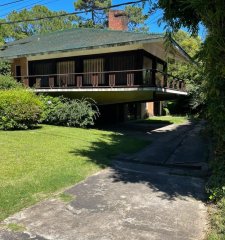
174,49
83,49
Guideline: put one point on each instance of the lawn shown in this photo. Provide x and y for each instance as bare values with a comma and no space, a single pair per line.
37,163
165,120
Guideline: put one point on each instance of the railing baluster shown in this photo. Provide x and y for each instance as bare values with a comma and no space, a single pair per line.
51,82
38,83
63,81
79,81
112,80
94,80
130,79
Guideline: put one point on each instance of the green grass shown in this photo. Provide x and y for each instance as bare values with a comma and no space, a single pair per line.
16,227
36,163
217,216
164,120
65,197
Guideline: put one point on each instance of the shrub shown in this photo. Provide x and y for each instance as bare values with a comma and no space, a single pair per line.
51,109
19,109
216,184
165,111
5,67
8,82
71,113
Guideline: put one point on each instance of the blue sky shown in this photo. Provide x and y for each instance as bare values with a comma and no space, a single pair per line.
68,5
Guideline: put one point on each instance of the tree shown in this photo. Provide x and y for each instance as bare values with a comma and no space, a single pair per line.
97,17
191,73
24,29
136,18
190,14
21,30
191,44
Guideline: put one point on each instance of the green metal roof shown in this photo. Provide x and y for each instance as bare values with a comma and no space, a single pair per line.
73,39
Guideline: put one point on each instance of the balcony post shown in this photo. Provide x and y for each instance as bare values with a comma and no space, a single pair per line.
25,81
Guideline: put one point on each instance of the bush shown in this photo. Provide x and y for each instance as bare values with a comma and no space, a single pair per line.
8,82
5,67
71,113
19,109
216,184
165,111
51,109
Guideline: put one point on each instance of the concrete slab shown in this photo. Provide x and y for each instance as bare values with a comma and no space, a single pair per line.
119,204
180,145
164,141
192,150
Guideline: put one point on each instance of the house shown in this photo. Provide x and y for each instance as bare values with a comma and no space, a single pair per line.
124,72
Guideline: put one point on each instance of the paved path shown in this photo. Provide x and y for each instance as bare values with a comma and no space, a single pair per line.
152,195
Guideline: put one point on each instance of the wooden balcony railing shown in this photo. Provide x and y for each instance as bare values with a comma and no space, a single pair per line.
110,79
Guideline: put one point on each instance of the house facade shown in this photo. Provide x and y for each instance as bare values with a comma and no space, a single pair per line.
124,72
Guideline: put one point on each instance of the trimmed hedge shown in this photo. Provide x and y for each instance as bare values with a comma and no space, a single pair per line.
19,109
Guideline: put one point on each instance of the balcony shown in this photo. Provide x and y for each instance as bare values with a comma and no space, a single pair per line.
141,78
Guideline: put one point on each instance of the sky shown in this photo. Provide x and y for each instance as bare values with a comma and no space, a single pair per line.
68,6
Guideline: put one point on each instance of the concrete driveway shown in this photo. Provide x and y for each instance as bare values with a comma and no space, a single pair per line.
140,197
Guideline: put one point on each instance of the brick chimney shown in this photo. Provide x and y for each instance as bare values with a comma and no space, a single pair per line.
118,20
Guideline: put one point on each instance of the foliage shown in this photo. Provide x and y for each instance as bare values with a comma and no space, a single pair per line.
97,17
218,221
216,184
215,188
22,30
192,73
191,44
36,163
190,14
5,68
8,82
71,113
136,18
51,105
19,109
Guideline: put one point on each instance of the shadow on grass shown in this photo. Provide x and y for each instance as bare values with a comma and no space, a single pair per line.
167,186
111,145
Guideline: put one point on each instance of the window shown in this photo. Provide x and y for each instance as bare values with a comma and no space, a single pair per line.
91,66
159,77
122,63
64,70
147,65
41,70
